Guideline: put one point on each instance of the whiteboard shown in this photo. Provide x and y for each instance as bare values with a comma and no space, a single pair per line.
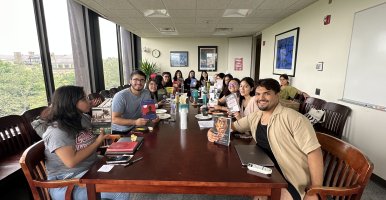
366,68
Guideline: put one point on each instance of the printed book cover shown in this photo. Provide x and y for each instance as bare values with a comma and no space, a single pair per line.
101,120
232,103
222,127
193,82
148,109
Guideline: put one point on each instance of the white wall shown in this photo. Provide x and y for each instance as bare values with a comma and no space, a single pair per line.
165,45
240,47
330,44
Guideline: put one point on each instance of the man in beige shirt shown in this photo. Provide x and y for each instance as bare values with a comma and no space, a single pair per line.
287,137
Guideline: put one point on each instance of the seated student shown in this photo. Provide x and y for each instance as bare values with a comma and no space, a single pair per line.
191,82
287,91
126,105
247,104
203,79
287,137
167,79
233,88
178,80
219,81
40,123
153,88
224,89
70,146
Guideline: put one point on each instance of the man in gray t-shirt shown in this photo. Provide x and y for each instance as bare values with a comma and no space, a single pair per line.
126,105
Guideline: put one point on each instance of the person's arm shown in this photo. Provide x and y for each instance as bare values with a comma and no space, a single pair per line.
70,157
117,118
315,165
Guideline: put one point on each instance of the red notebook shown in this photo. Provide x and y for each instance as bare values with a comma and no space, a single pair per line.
124,146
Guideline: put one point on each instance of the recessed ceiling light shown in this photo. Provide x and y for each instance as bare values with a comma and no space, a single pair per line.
236,12
156,13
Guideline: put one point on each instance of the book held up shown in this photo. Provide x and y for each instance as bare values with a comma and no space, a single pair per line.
222,128
101,117
148,109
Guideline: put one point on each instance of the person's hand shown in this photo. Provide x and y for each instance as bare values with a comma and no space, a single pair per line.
237,115
212,137
102,136
96,102
311,197
156,120
160,103
141,122
217,107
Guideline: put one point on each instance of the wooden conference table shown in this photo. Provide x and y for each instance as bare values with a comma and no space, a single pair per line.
183,162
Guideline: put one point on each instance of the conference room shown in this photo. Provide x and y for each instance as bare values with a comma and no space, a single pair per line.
244,47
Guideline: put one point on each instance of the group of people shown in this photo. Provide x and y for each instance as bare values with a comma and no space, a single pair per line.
286,135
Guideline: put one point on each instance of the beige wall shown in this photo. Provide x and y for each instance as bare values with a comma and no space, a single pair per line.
165,45
228,49
240,47
330,44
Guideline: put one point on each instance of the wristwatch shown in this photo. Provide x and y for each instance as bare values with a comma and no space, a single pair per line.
155,53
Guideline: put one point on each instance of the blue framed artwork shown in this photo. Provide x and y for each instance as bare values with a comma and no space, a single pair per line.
179,59
286,46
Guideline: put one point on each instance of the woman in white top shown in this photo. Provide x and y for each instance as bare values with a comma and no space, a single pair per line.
246,97
233,88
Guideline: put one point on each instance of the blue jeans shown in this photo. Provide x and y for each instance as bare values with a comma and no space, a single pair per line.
80,193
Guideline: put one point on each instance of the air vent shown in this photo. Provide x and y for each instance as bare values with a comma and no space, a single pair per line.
222,31
167,30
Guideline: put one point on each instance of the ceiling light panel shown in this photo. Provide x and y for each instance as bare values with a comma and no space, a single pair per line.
156,13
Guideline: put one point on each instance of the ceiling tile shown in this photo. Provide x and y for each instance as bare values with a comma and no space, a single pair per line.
244,4
147,4
212,4
182,13
180,4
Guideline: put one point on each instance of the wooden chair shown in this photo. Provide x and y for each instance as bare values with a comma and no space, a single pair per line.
335,119
15,137
113,91
93,96
33,166
105,93
346,170
311,102
32,114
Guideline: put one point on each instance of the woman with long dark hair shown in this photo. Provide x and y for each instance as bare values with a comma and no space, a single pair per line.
247,103
70,145
224,90
203,78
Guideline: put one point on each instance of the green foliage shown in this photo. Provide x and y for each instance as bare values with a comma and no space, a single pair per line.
148,68
111,72
21,88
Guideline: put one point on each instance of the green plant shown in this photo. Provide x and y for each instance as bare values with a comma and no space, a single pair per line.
148,68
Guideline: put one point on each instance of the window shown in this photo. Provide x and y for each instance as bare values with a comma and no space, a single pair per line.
59,39
108,36
21,81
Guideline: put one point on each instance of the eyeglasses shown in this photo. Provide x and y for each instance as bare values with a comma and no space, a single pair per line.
233,85
138,80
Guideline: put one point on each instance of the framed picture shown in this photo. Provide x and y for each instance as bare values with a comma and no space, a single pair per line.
179,59
286,46
207,58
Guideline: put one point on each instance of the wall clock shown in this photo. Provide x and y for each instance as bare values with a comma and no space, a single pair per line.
155,53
